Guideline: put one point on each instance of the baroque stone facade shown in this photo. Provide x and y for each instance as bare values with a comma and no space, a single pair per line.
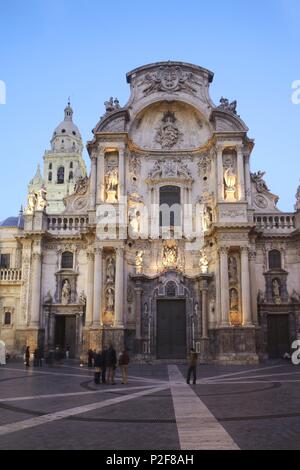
170,243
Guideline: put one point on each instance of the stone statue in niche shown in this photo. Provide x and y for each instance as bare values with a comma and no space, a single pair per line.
234,300
41,199
82,298
232,269
139,260
207,218
276,288
168,134
111,183
258,179
66,293
110,270
170,254
135,222
230,179
110,299
203,263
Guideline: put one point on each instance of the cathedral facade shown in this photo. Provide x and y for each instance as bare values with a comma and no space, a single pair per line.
170,243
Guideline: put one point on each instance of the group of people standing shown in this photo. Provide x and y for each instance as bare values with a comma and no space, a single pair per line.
105,363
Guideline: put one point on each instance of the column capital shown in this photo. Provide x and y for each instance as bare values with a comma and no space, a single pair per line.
90,255
223,250
120,250
98,250
244,250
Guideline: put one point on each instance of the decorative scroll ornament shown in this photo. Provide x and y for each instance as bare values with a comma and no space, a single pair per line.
168,134
139,260
169,79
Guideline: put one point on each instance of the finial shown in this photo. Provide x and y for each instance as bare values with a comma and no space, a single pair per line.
69,101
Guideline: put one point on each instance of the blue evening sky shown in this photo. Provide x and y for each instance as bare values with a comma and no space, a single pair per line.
50,49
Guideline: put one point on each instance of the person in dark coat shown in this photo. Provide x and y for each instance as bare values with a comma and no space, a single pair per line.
90,358
111,364
193,359
98,367
123,363
104,364
27,356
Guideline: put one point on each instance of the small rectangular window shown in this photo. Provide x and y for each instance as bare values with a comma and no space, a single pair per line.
5,261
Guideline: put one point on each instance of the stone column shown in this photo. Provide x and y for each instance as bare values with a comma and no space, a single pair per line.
155,213
245,281
253,286
97,287
90,289
240,170
36,289
204,290
93,183
224,286
121,175
220,174
101,177
247,179
138,312
119,287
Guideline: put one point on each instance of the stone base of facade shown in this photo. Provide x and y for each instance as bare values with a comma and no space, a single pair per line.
97,338
32,337
237,345
205,354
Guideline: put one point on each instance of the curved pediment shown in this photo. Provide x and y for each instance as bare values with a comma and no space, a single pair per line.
226,121
169,125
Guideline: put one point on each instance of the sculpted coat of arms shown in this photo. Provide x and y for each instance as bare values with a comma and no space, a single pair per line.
169,78
168,133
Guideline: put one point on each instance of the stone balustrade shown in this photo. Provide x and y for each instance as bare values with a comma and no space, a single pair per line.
67,224
10,275
275,223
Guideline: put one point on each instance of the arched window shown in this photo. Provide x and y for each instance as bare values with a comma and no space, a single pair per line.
71,165
71,176
50,176
7,318
67,260
50,166
169,197
274,259
61,175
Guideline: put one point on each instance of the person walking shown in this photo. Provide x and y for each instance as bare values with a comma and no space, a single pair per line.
193,359
67,352
98,367
90,358
104,364
27,356
111,364
123,363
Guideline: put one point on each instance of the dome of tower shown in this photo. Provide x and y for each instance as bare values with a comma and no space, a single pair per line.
66,136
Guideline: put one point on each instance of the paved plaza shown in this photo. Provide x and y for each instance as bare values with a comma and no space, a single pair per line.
231,407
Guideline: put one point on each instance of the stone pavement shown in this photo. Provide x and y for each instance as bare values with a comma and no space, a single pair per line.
231,407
